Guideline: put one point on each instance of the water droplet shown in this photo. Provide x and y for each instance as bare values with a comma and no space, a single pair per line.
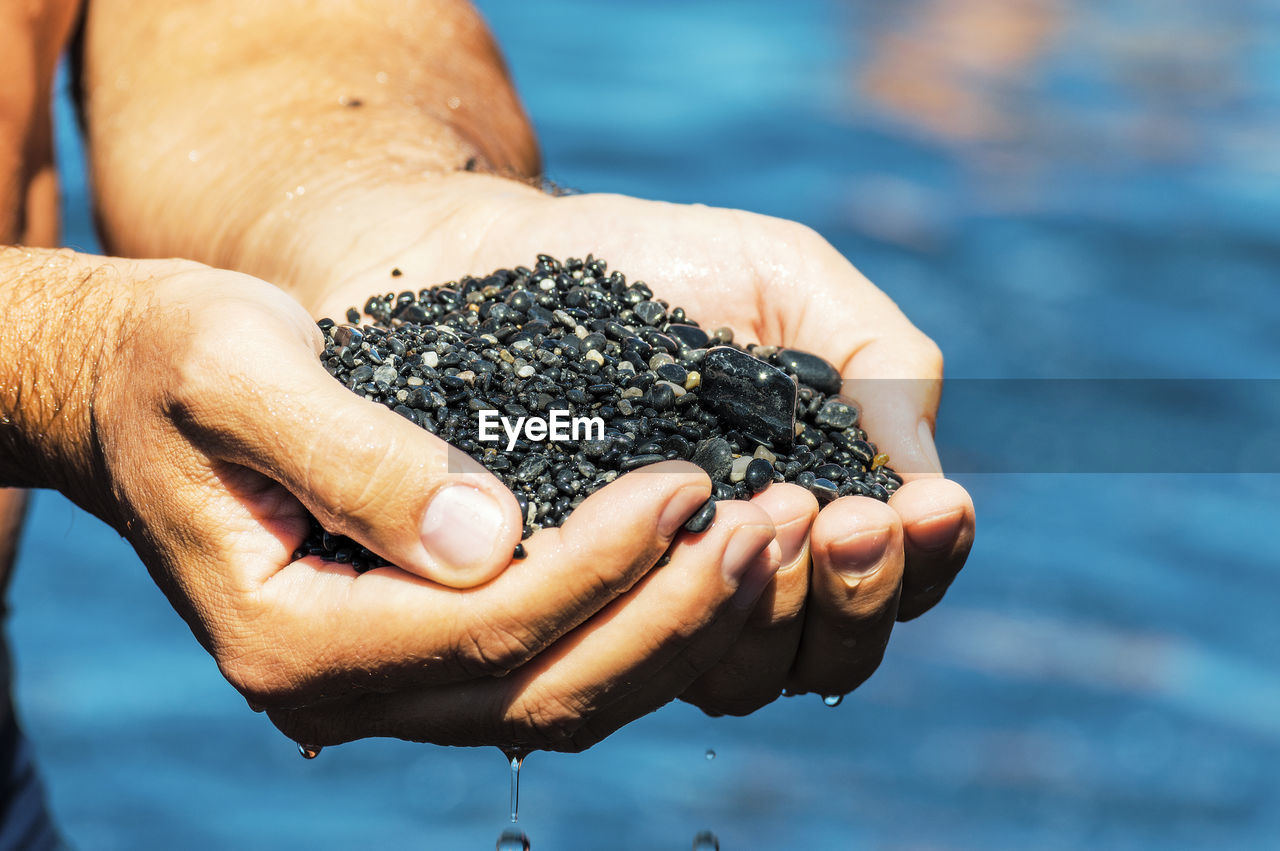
832,699
710,754
512,840
786,692
706,841
516,758
309,751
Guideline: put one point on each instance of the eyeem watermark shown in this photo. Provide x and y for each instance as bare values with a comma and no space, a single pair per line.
557,427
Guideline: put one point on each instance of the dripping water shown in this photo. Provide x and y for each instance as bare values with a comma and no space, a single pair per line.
515,757
706,841
512,840
309,751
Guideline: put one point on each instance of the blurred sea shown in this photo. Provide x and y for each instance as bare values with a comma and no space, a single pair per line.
1050,190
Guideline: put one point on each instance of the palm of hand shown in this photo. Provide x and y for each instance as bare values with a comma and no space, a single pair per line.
848,572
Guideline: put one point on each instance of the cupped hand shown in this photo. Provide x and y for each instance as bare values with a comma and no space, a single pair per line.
849,571
216,435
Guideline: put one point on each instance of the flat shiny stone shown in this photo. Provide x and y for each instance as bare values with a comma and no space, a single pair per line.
650,312
348,335
810,369
824,489
749,395
715,457
836,413
691,335
637,461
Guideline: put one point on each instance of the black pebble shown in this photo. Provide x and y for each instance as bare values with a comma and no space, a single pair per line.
715,456
825,490
702,518
837,414
810,369
553,335
691,336
759,475
650,312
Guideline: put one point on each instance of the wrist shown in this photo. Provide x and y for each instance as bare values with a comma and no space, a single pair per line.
66,316
348,242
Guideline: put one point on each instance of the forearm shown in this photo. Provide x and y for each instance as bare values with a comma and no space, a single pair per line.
236,132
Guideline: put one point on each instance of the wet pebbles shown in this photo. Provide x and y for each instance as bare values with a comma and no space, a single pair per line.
578,338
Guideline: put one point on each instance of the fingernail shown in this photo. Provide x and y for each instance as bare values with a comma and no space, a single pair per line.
759,574
460,526
936,533
679,508
928,450
743,568
860,555
791,537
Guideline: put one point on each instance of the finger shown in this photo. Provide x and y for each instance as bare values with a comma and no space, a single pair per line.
857,573
897,384
322,630
635,655
755,669
938,522
359,468
891,369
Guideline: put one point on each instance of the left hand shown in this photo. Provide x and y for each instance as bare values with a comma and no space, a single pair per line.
848,572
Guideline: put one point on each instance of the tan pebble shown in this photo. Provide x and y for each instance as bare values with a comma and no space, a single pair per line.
675,388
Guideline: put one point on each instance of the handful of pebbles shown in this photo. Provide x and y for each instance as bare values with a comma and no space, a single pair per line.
575,338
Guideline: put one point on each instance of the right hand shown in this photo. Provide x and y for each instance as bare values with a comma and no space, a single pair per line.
215,432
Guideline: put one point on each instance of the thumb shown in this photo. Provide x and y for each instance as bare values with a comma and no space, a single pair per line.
362,470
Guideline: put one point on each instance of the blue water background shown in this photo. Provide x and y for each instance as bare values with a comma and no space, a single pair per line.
1070,190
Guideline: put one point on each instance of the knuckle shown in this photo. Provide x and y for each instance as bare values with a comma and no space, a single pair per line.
307,726
265,679
736,687
592,732
549,722
739,704
862,670
851,675
493,646
915,603
931,358
745,704
261,661
202,383
689,665
358,503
